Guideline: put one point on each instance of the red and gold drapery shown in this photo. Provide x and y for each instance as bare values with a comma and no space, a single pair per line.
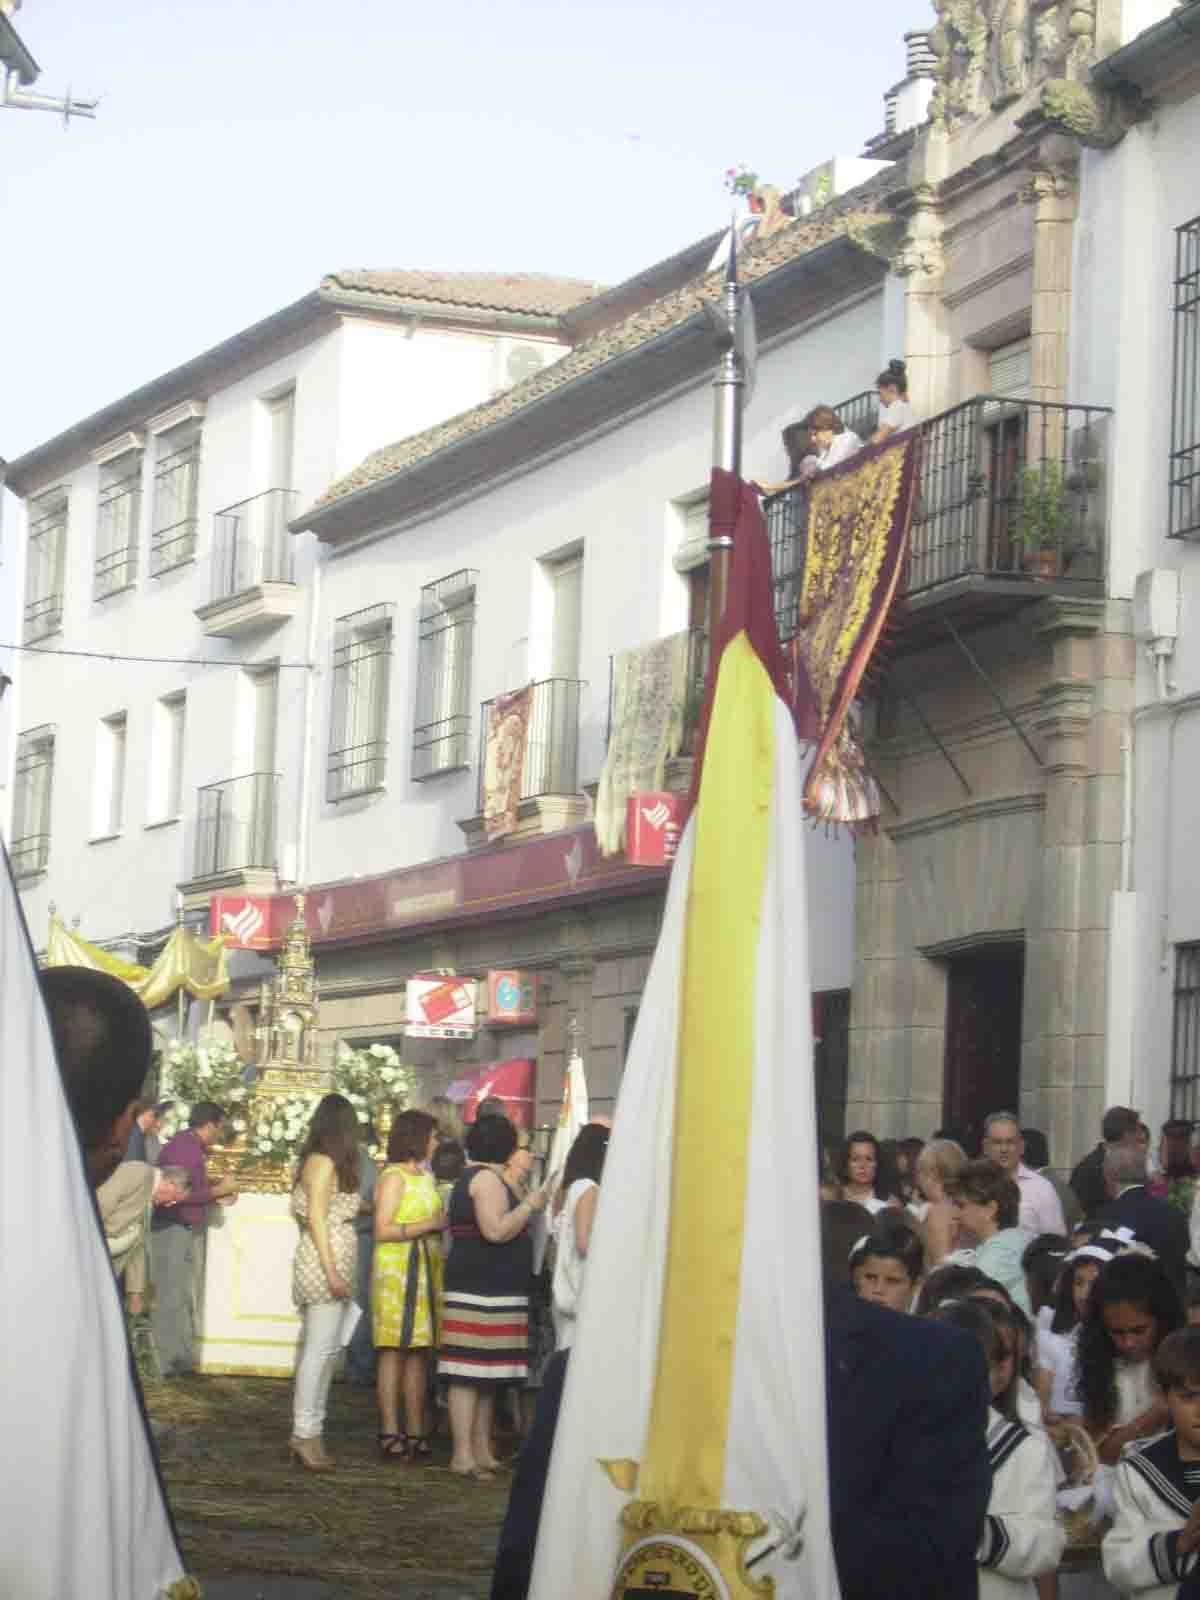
859,515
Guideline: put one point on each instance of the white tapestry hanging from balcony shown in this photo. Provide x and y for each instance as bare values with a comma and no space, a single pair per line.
649,691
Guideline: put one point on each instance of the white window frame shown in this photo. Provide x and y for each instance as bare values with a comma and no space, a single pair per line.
108,796
175,525
169,751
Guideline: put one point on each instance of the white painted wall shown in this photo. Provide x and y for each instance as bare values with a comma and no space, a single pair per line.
356,387
616,495
1132,199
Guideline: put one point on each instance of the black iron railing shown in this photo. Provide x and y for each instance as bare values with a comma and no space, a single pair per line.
251,544
551,744
235,824
1009,489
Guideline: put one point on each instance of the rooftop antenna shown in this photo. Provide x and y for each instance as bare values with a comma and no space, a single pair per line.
18,70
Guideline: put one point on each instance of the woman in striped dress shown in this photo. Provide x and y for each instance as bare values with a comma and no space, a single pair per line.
406,1284
485,1329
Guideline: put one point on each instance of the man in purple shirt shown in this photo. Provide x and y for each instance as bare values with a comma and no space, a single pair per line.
177,1238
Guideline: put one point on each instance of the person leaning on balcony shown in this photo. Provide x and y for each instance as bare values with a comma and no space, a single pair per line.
831,443
895,413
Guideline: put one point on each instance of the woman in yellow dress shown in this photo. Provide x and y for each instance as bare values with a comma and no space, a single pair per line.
406,1284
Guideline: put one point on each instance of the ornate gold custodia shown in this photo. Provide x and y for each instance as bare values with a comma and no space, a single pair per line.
688,1554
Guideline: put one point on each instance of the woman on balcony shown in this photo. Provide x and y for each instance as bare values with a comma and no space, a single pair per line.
895,413
830,443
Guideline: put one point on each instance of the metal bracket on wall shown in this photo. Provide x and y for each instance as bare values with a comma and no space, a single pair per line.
910,699
982,673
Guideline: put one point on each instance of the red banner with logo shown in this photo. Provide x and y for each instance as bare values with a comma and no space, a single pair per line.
510,1081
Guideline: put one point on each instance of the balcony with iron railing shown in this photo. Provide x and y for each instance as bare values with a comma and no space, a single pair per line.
550,794
252,581
1011,507
235,837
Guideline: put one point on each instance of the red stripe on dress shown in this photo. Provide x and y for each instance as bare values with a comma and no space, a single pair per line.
493,1330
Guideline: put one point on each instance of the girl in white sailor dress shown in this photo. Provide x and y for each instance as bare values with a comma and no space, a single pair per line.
1022,1537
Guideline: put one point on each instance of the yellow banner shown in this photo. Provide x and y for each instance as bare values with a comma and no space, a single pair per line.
685,1454
185,962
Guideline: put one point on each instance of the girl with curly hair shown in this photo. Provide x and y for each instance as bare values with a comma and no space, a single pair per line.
1131,1308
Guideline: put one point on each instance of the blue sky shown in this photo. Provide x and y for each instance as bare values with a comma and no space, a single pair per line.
242,150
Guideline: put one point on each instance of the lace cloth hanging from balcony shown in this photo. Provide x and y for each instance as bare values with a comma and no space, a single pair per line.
504,760
649,691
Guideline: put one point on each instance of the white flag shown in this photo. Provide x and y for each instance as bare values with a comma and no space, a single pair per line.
83,1514
692,1431
572,1116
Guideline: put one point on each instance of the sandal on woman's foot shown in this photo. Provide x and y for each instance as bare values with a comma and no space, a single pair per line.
419,1448
480,1474
393,1446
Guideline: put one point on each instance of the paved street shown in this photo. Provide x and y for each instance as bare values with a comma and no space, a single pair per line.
256,1528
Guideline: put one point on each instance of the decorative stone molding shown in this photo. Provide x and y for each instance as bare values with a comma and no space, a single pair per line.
1061,615
921,255
1051,182
990,53
1097,119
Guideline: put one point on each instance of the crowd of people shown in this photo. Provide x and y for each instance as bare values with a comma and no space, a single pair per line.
1083,1298
1013,1363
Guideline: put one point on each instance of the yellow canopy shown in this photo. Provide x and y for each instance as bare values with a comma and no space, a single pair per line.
185,962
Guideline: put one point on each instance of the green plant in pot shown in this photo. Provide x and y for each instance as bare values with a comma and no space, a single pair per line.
1042,516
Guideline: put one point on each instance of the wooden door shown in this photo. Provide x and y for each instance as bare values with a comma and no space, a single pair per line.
983,1039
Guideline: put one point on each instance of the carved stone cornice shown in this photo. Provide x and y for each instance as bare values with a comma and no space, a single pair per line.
921,255
1051,182
1061,615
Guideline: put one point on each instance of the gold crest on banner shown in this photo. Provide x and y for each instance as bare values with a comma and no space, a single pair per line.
689,1555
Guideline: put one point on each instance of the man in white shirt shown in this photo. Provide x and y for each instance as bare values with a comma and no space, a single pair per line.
1041,1209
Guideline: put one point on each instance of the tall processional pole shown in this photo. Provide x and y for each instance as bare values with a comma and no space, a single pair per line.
729,386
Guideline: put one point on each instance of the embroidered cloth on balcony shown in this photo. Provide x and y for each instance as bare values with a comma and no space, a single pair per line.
649,690
858,521
504,760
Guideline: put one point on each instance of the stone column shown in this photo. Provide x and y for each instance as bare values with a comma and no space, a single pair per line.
921,263
1062,1070
1053,192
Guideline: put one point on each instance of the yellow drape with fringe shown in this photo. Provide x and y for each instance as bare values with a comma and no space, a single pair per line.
185,962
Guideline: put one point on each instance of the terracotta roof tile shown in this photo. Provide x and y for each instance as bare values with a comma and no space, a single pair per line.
531,293
859,209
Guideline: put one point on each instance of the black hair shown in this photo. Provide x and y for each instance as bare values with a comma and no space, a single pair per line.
163,1106
951,1282
408,1138
103,1042
842,1222
1010,1319
1118,1123
491,1107
1127,1280
205,1112
1037,1151
585,1159
972,1317
333,1132
1042,1263
1177,1360
1066,1318
491,1138
448,1162
895,374
843,1169
891,1241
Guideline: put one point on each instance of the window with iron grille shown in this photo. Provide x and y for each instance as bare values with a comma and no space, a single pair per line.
446,633
362,659
1185,389
29,850
46,565
176,495
1185,1050
118,525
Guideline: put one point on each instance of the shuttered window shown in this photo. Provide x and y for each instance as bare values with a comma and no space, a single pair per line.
1011,370
362,658
45,565
29,850
446,635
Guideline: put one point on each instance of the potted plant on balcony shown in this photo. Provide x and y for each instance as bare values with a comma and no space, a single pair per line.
1041,518
740,181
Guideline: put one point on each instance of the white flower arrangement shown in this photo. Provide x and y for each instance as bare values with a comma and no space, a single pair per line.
204,1072
277,1133
374,1081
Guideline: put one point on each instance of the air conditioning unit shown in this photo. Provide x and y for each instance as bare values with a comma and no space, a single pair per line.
517,360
